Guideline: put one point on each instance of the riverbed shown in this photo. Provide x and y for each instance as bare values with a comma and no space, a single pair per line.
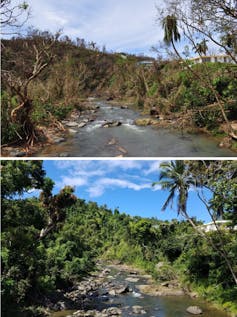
156,306
130,140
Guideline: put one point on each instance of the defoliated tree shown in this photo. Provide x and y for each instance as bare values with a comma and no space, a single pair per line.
13,15
171,32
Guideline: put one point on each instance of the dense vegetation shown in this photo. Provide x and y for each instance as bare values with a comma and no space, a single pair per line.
52,241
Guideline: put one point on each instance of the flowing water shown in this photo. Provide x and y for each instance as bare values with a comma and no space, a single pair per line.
131,140
156,306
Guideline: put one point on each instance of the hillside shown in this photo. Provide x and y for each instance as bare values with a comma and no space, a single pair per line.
46,78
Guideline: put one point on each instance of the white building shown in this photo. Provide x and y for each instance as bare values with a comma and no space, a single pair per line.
212,59
222,224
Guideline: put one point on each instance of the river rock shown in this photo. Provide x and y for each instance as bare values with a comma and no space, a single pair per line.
58,140
109,124
72,131
81,124
124,107
226,142
138,310
132,279
122,290
112,142
145,121
64,154
112,311
194,310
17,153
71,124
154,112
122,149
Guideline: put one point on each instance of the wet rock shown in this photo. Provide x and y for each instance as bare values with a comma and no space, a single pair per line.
17,153
124,107
122,149
112,292
112,311
112,142
58,140
226,142
71,124
64,154
92,118
109,124
154,112
194,310
132,279
72,131
122,290
81,124
138,310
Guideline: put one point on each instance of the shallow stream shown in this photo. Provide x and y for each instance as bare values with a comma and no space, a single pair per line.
155,306
132,141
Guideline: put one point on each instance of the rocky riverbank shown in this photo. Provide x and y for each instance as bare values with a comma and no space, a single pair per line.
98,294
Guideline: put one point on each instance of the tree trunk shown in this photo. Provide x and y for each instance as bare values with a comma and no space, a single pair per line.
21,116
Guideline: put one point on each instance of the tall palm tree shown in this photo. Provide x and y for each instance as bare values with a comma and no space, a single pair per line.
201,48
175,178
171,32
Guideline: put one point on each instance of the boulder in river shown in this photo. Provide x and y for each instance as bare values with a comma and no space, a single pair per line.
81,124
122,290
109,124
138,310
71,124
194,310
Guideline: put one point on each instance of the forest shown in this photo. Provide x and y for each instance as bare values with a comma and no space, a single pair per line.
46,76
52,241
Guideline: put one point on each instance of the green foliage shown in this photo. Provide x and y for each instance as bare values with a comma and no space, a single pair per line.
81,232
9,130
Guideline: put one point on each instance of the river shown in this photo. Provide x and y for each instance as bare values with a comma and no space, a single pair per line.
132,141
156,306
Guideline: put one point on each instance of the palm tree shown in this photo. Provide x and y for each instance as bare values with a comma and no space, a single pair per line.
171,33
201,48
175,178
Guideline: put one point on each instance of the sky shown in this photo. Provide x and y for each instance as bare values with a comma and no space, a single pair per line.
124,25
123,184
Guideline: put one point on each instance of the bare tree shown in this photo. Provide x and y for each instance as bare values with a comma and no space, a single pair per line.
19,86
13,16
199,22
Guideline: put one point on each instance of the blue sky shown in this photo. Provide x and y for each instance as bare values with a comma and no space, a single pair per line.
122,184
124,25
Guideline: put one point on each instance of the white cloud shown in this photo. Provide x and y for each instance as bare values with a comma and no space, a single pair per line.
153,168
120,25
99,187
99,176
72,181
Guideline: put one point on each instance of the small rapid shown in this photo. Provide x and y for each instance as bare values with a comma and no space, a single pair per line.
134,302
130,140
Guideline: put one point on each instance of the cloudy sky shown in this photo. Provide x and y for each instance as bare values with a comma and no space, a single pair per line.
124,25
122,184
